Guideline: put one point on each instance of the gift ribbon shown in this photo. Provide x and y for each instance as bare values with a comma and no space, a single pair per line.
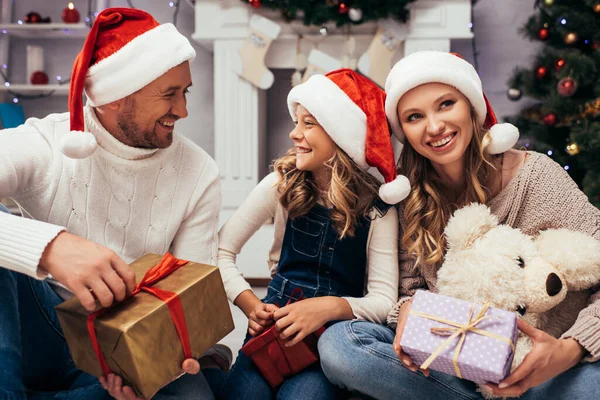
166,266
457,329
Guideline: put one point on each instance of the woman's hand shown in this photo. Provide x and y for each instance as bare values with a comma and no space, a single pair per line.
405,358
548,358
299,319
114,384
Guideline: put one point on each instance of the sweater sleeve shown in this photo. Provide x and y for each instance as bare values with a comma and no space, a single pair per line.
196,238
411,278
571,209
259,207
382,270
25,156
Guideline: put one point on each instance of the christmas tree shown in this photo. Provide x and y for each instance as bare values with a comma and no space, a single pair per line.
565,77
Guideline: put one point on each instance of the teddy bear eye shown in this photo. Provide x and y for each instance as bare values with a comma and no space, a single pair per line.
521,262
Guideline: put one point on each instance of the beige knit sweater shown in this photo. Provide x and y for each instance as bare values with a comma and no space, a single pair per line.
540,196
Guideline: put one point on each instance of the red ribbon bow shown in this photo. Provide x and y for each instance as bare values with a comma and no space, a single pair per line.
166,266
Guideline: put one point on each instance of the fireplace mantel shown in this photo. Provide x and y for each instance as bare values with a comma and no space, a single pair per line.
221,26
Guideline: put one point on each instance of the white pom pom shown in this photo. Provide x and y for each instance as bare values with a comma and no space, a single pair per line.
395,191
78,144
504,137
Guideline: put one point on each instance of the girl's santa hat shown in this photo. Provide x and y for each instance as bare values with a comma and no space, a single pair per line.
350,108
437,66
124,51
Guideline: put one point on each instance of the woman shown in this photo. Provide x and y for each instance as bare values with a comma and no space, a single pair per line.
332,231
436,107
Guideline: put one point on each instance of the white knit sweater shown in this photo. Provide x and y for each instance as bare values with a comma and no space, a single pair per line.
263,204
133,201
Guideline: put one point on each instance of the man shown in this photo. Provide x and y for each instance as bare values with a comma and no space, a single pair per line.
111,182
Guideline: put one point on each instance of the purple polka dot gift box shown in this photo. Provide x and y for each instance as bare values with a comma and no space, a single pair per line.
471,341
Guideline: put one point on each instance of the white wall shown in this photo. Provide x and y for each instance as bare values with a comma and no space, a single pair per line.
59,56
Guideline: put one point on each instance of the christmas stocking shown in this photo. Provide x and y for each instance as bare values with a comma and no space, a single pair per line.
251,63
320,63
376,63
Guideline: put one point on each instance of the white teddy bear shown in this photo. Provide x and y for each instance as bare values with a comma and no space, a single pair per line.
488,262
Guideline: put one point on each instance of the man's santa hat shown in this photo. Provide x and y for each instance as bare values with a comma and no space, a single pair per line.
437,66
124,51
350,108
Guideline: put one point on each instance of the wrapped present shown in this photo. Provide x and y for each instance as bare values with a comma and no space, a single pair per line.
277,362
470,341
178,310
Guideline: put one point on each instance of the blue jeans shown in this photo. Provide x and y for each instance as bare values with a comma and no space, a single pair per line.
245,382
35,361
358,356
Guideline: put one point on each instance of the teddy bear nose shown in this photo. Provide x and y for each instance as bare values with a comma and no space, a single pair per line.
553,284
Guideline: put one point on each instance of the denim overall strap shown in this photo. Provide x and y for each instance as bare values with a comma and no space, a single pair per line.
315,258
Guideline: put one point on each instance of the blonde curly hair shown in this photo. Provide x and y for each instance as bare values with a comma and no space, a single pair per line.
350,193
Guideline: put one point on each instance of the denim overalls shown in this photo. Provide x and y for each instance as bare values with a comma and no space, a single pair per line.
314,259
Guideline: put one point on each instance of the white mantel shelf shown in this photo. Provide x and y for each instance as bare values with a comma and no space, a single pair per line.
45,31
221,26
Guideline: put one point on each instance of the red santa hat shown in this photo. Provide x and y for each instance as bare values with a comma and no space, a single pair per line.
437,66
350,108
124,51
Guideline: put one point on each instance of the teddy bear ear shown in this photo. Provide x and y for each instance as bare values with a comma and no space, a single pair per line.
575,254
467,225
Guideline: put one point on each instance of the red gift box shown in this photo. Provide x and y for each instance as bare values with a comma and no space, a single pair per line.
277,362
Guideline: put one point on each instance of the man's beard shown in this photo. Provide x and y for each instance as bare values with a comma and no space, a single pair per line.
132,133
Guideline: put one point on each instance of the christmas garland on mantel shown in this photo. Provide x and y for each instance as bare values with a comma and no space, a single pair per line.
342,12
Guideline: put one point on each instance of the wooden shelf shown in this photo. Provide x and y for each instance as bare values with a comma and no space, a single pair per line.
45,31
36,89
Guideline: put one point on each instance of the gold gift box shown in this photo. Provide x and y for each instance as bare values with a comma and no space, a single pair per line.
138,337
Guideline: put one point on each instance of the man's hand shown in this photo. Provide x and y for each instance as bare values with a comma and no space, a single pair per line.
88,270
114,384
405,358
548,358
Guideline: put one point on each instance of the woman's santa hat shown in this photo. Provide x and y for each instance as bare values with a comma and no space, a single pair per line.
350,108
436,66
124,51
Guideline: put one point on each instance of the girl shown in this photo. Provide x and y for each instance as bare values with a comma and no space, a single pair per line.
332,231
436,107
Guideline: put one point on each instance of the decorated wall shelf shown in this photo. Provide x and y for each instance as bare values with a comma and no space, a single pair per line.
36,89
45,31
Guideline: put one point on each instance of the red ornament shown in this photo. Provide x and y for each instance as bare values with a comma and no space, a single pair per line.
32,18
541,72
255,3
543,34
559,64
550,119
566,87
595,46
70,15
39,78
343,9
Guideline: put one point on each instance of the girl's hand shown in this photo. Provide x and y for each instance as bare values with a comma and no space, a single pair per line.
548,358
405,358
299,319
260,317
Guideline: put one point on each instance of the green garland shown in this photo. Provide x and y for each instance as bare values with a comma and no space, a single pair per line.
319,12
